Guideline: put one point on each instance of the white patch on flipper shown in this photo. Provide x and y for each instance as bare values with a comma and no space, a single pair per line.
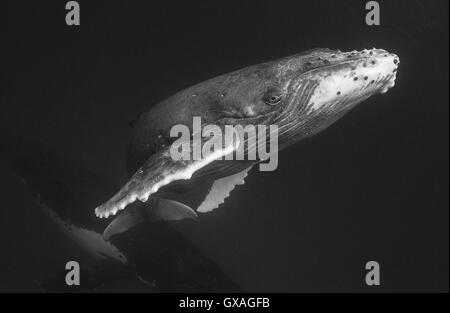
91,241
112,206
187,172
221,189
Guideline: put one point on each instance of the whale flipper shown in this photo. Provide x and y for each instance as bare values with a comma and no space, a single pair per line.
159,209
154,210
220,190
158,171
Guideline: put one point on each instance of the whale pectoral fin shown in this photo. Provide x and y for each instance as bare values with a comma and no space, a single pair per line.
154,210
158,171
220,190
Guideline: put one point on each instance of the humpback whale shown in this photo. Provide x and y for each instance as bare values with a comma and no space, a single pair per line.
301,94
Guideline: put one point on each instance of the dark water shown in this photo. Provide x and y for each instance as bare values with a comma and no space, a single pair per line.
374,186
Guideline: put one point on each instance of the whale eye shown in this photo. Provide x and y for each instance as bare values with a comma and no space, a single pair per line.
273,96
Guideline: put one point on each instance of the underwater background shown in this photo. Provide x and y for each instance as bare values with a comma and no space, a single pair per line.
373,186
